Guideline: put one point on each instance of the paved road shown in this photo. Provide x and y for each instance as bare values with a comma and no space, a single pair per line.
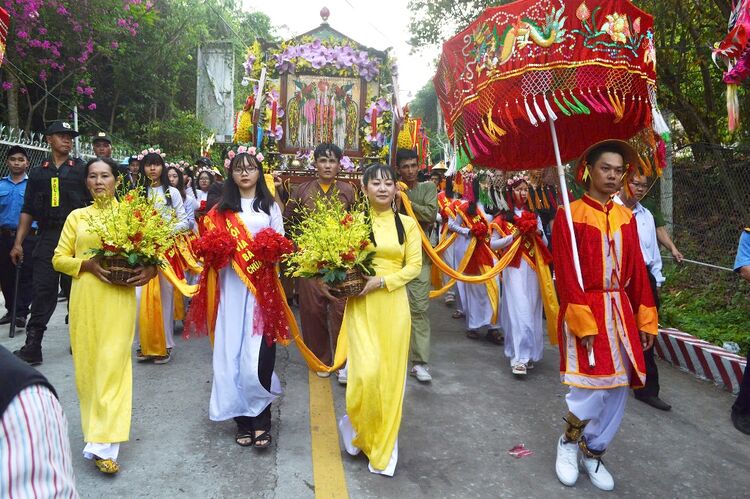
453,441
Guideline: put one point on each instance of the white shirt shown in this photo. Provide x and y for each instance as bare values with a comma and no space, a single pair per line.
181,219
647,238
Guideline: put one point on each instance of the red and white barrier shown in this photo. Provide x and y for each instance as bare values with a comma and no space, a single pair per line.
701,358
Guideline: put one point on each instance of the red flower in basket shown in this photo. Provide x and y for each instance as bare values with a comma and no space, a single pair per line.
347,220
136,238
269,246
349,256
526,223
480,229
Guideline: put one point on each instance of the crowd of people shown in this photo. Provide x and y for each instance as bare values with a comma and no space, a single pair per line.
425,236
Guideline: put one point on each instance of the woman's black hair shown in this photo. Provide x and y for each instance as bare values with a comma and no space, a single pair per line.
109,161
472,208
449,187
155,159
211,178
189,172
180,181
509,215
379,170
230,197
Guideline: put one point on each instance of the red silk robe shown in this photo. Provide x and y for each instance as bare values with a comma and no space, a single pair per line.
616,300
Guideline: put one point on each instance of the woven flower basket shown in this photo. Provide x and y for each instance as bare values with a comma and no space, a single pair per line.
120,269
352,285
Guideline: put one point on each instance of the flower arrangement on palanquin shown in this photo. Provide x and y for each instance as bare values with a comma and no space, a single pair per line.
318,87
333,244
132,232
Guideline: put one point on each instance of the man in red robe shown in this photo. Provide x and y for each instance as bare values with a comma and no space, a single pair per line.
606,324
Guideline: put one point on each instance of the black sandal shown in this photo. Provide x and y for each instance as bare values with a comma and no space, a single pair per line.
472,334
264,438
243,435
494,336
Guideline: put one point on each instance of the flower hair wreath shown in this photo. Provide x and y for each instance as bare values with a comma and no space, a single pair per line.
181,166
252,151
150,150
516,179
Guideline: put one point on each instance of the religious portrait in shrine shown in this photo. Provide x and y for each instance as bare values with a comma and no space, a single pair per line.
322,109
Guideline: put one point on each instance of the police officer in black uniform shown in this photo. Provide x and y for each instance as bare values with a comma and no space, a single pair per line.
55,188
102,144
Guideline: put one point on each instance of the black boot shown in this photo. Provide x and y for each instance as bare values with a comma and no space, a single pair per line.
31,352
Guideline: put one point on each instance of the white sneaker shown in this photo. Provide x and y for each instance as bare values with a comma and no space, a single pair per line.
342,376
421,372
519,369
600,477
323,374
566,464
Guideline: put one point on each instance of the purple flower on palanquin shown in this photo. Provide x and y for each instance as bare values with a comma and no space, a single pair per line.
276,134
383,105
347,164
318,61
378,140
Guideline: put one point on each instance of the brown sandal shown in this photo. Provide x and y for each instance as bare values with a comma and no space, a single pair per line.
494,336
472,334
458,315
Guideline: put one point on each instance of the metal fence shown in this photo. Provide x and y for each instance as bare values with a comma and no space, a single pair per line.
37,149
711,202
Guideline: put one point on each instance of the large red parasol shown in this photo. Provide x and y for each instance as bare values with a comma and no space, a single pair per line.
734,50
591,65
522,71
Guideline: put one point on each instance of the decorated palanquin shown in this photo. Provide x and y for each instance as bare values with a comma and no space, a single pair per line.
589,66
321,86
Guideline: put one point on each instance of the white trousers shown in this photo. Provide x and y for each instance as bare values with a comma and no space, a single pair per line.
166,291
94,450
604,409
348,434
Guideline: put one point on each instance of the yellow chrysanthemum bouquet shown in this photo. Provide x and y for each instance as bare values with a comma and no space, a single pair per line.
133,232
332,244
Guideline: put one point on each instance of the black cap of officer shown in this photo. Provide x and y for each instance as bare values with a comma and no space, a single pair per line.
101,136
61,127
203,161
17,150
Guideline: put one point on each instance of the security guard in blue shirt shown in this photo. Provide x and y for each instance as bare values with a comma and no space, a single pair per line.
12,189
55,188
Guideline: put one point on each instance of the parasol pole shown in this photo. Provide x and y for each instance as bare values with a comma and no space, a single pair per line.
566,203
569,219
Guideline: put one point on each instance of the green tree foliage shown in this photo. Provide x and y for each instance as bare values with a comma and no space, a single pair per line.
141,83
